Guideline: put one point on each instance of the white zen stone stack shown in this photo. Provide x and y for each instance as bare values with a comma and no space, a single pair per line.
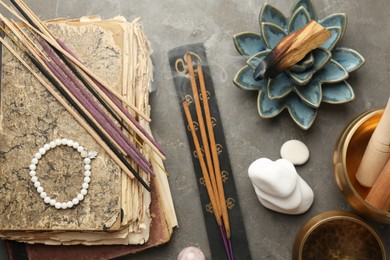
279,187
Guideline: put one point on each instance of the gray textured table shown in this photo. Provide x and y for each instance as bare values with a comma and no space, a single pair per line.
173,23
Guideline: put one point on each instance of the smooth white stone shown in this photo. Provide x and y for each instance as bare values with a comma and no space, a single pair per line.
40,189
37,184
87,180
80,149
76,145
38,156
85,185
53,202
295,151
52,144
33,173
43,194
84,154
191,253
270,181
83,192
32,167
80,197
34,178
42,150
58,141
69,204
64,141
58,205
47,200
69,143
87,161
34,161
75,201
46,147
87,173
86,167
64,205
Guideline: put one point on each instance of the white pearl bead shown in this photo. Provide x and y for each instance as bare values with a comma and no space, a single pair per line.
42,151
63,205
69,143
53,202
40,189
84,154
87,180
85,185
80,149
37,184
33,167
83,192
34,179
87,160
38,156
69,204
86,167
87,173
57,205
80,197
47,200
75,201
52,144
76,145
64,141
43,194
46,147
58,142
34,161
33,173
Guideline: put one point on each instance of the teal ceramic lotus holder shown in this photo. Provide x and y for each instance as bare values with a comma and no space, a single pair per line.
319,77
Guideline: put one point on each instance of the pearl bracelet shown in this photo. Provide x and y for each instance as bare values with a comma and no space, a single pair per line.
87,173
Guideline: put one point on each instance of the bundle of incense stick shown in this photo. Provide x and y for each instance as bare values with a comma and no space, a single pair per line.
99,108
211,172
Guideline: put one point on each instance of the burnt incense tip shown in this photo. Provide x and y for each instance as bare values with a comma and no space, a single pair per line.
260,71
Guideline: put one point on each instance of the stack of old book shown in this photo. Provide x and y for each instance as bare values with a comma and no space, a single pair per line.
118,216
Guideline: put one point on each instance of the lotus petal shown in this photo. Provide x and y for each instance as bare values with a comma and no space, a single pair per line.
268,108
280,86
248,44
331,72
321,57
301,78
350,59
338,19
302,114
255,59
335,36
308,5
272,34
244,80
304,64
298,19
337,93
271,14
311,94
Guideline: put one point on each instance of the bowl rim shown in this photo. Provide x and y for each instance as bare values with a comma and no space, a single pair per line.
333,215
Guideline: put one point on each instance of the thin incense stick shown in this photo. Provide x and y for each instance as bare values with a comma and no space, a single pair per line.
217,169
90,127
202,128
206,177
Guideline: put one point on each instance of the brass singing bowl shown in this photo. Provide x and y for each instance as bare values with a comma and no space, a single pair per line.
337,235
347,155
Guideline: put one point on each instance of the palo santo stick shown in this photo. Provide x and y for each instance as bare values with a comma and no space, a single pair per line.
202,127
291,49
379,195
213,145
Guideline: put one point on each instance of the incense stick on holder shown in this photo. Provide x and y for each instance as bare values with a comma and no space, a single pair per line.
291,49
